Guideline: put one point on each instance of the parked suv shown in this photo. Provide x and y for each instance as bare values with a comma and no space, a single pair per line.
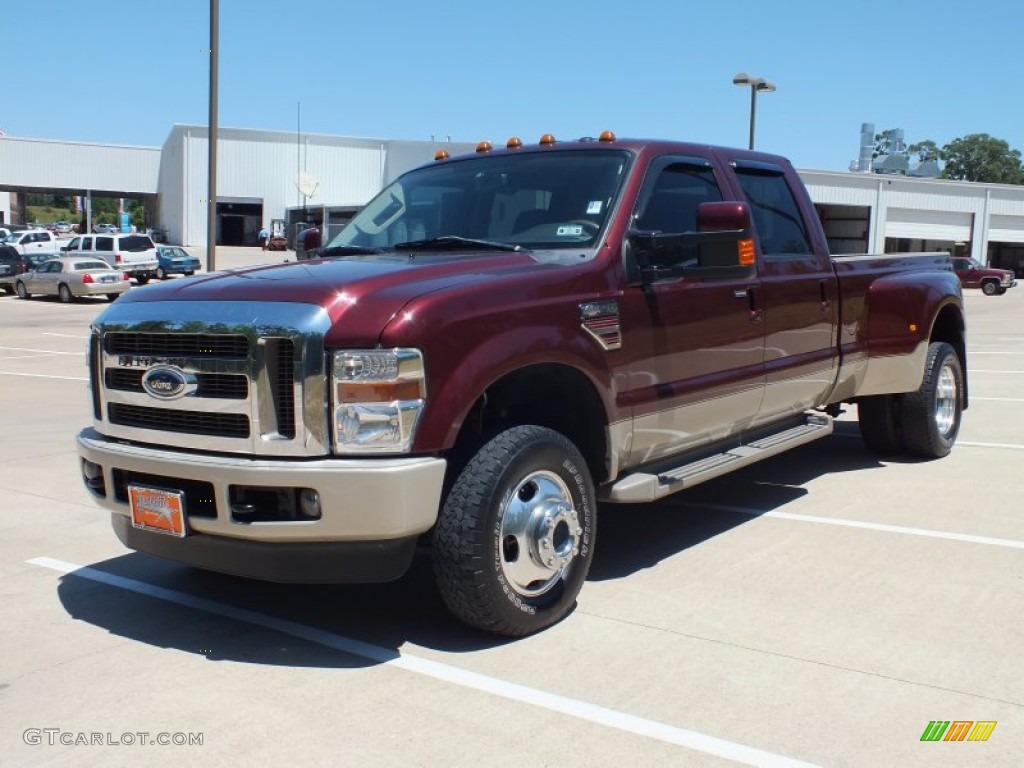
135,255
993,282
13,264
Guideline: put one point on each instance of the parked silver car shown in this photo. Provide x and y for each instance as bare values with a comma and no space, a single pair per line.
72,276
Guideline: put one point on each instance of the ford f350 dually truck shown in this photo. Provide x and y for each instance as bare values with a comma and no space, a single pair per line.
493,345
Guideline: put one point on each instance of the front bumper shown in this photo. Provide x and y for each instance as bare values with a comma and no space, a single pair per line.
372,510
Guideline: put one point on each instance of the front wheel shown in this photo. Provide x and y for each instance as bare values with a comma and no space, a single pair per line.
930,417
515,538
161,273
990,287
21,290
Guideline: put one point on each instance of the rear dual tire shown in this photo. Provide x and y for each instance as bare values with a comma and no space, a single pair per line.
924,423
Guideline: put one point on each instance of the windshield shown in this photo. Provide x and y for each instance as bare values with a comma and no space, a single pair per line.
544,200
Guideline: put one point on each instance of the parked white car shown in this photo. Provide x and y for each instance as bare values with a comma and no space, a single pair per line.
133,254
72,276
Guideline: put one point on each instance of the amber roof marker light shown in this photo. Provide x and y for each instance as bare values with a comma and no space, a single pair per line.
547,140
606,136
441,154
484,146
514,143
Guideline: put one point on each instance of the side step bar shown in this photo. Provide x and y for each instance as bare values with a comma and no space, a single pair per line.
644,487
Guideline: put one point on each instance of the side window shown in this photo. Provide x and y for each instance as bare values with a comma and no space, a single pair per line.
777,218
86,243
104,243
672,204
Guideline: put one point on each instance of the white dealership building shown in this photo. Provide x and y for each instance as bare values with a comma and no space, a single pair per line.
259,174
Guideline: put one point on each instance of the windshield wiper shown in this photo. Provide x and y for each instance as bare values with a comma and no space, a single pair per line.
455,243
347,250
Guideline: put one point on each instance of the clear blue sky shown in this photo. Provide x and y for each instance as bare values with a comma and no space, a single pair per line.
125,72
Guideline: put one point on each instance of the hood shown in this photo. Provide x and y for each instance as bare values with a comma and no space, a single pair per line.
367,291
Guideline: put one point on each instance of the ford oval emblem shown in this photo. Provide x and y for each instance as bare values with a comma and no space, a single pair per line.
168,382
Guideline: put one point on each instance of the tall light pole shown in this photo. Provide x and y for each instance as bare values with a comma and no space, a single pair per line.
211,203
756,84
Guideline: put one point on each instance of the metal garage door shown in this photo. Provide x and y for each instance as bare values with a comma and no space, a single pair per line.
1006,229
928,225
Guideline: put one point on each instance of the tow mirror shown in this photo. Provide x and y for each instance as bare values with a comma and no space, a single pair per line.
722,248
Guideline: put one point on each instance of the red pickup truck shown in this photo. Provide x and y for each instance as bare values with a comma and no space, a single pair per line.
493,345
992,281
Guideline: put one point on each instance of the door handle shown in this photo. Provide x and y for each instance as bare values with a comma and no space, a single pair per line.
826,302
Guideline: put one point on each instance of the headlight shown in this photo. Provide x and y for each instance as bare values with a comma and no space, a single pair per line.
377,398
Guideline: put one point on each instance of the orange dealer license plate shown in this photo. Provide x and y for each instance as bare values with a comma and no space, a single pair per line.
157,510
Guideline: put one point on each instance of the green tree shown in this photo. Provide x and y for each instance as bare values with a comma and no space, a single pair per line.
980,157
925,151
887,143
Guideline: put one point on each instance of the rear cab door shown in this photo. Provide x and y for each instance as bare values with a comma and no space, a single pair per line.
693,363
104,248
798,291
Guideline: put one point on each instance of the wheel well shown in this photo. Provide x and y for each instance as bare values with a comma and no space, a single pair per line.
554,396
949,327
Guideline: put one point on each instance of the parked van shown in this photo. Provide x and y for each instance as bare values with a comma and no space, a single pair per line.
134,255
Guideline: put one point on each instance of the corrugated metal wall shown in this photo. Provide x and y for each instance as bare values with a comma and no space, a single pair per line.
263,167
76,166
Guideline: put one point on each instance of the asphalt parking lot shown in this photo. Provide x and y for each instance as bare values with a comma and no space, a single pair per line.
820,608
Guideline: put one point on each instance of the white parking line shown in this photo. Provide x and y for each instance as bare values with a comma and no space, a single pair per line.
1011,446
44,376
41,351
982,370
64,335
925,532
998,399
581,710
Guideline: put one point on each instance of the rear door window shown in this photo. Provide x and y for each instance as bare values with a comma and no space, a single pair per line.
780,227
104,243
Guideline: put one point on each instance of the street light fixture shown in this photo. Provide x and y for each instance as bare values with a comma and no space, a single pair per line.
756,84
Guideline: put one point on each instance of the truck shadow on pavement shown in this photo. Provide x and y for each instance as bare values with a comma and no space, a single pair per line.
152,601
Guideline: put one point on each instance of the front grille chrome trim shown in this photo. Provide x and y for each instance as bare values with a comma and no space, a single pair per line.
260,368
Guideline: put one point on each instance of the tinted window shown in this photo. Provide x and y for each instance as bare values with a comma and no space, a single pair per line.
780,227
86,243
135,243
83,265
678,190
104,243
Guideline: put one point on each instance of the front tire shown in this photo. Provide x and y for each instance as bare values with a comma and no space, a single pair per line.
22,292
930,417
515,538
990,287
161,273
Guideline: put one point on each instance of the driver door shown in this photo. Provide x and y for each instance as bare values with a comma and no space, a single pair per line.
693,348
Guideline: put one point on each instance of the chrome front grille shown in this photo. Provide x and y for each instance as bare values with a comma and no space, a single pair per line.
177,420
251,376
